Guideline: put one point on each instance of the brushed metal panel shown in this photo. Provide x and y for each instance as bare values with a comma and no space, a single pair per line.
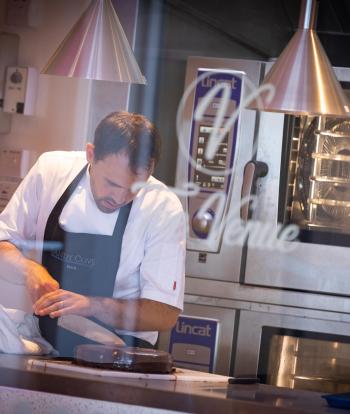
250,328
224,265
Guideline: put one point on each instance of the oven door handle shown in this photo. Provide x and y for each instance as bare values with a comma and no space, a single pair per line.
253,170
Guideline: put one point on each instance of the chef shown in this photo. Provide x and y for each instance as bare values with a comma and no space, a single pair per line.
106,252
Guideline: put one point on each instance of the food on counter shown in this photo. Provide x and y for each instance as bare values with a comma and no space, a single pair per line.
130,359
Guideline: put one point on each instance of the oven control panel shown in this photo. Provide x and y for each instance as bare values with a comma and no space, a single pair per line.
215,120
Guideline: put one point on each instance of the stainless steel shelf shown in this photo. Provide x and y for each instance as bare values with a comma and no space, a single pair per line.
329,202
332,157
329,179
332,134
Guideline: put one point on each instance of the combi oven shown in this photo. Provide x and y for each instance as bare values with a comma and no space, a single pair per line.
272,206
308,184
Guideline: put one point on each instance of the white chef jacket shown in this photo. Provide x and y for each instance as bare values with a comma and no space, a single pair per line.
152,261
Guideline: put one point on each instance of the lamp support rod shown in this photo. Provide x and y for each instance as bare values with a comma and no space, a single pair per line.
307,17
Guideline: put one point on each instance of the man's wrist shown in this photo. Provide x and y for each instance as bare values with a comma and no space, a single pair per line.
105,309
94,306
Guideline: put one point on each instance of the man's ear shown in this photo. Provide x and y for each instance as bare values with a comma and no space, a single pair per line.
90,156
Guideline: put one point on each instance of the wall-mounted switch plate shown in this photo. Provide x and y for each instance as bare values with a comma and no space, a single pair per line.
20,90
9,44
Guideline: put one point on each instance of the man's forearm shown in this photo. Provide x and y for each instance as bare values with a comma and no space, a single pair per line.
13,263
134,315
17,269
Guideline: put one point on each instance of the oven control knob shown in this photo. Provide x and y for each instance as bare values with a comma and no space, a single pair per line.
201,223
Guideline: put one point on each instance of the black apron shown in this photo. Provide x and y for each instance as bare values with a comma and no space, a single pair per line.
86,264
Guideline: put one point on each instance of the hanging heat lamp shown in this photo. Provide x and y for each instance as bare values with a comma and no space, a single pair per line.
96,48
303,78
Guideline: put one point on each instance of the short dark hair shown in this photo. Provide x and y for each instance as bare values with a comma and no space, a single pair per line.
132,133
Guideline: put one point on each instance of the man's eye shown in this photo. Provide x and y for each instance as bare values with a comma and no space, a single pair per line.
113,184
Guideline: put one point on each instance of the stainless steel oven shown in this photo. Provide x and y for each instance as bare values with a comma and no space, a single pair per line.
275,296
294,348
308,185
298,167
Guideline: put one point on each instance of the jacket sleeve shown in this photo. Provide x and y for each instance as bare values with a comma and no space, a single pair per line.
18,219
162,272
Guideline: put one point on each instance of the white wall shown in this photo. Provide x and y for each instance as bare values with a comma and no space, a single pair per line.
62,105
67,109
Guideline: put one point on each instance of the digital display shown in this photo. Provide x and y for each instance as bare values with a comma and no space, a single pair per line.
217,163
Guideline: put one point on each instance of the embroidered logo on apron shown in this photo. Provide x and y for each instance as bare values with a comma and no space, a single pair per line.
73,259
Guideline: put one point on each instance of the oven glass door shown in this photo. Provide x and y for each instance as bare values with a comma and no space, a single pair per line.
295,348
304,360
315,178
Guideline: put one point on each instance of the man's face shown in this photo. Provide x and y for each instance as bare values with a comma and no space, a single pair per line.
111,180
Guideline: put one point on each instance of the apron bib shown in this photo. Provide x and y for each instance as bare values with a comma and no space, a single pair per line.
86,264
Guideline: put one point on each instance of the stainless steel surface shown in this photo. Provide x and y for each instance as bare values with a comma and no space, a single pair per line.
307,15
183,396
223,264
325,269
238,296
304,271
312,364
256,307
300,266
249,338
89,329
303,78
96,48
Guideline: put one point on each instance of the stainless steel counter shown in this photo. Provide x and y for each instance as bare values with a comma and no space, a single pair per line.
189,397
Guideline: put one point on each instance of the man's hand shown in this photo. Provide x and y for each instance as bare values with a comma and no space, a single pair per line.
62,302
38,280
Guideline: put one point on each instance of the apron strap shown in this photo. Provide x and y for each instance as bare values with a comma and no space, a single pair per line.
51,221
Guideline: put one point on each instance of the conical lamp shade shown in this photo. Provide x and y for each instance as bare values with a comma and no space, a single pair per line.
304,80
96,48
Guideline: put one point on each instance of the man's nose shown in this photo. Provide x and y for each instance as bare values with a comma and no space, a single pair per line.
120,195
